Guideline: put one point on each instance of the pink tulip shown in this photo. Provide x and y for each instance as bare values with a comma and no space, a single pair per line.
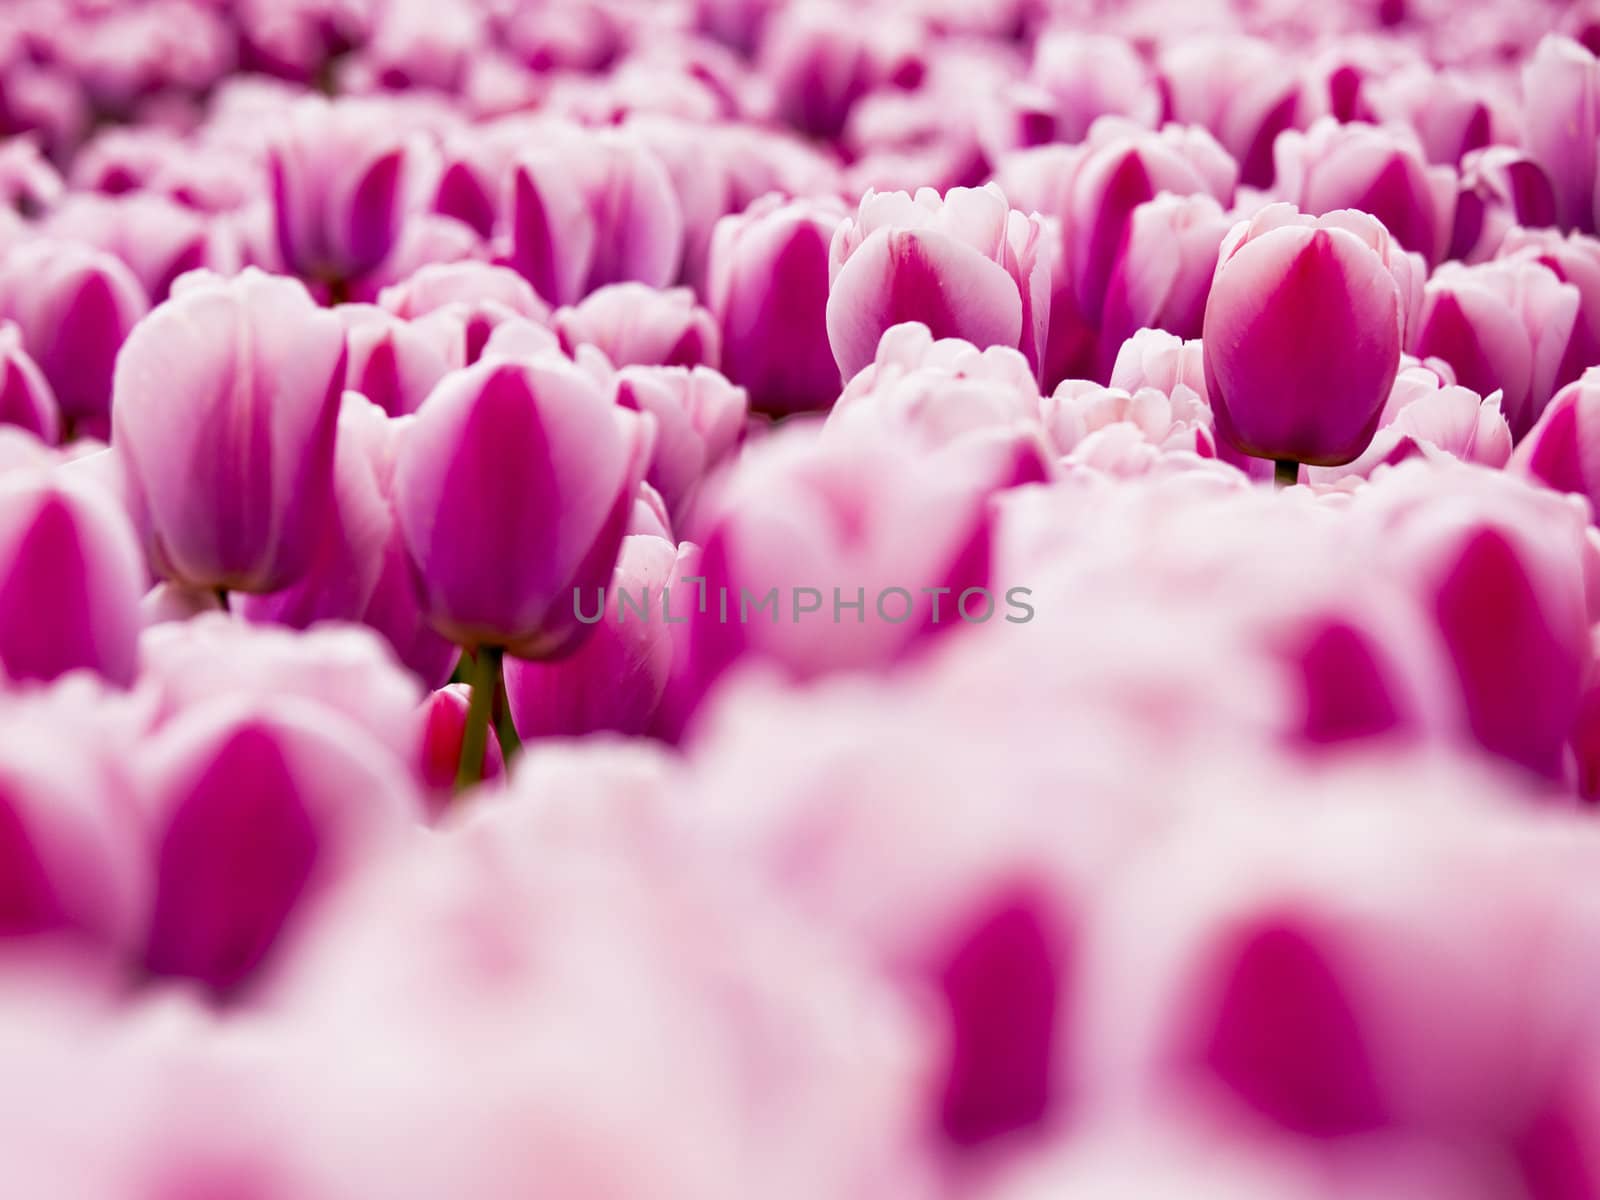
75,306
1303,333
158,239
822,58
443,718
1175,421
1561,450
966,266
699,423
617,678
512,489
768,286
592,209
26,400
255,811
1379,171
638,325
1451,111
1244,91
1574,259
1501,325
1088,76
359,571
70,580
227,399
395,363
467,283
341,175
1561,115
1502,189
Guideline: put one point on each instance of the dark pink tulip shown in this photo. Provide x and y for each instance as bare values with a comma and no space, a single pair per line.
967,266
1575,259
616,680
1561,125
1303,334
75,306
699,422
227,398
1452,111
157,238
513,488
395,363
1377,170
1341,80
1499,567
26,400
341,175
1244,91
255,810
1162,273
1501,325
1501,189
588,209
359,571
824,57
1562,450
443,720
768,286
70,581
638,325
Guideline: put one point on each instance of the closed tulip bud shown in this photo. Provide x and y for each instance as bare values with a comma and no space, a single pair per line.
70,580
768,286
395,363
593,208
359,571
699,422
513,488
1246,92
1562,451
823,58
1501,325
644,326
1088,76
26,400
1380,171
1575,259
1452,112
1502,191
443,721
75,306
1303,334
159,239
227,399
256,810
967,266
340,181
446,285
615,681
1561,120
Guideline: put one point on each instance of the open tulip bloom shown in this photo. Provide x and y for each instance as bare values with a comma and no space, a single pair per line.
813,599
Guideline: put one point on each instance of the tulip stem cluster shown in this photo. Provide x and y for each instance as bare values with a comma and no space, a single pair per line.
475,739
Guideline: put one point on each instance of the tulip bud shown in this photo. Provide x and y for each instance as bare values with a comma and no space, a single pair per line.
1561,119
1502,190
638,325
1303,333
699,422
1450,110
256,810
1501,325
70,581
822,58
26,400
75,306
1562,451
614,681
443,718
513,488
1574,259
227,399
159,239
395,363
1377,170
339,187
768,286
967,266
1244,91
1088,76
588,209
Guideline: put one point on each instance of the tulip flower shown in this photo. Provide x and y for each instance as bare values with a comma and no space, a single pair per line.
638,325
1574,259
1303,333
1504,193
70,581
966,266
1561,450
1243,90
26,400
227,399
1088,76
822,58
443,720
699,423
75,306
1561,113
158,239
768,286
256,810
588,210
395,363
513,488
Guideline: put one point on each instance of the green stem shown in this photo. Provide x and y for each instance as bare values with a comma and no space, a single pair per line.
475,738
1286,472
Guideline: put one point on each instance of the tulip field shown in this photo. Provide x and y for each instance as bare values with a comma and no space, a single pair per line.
799,599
